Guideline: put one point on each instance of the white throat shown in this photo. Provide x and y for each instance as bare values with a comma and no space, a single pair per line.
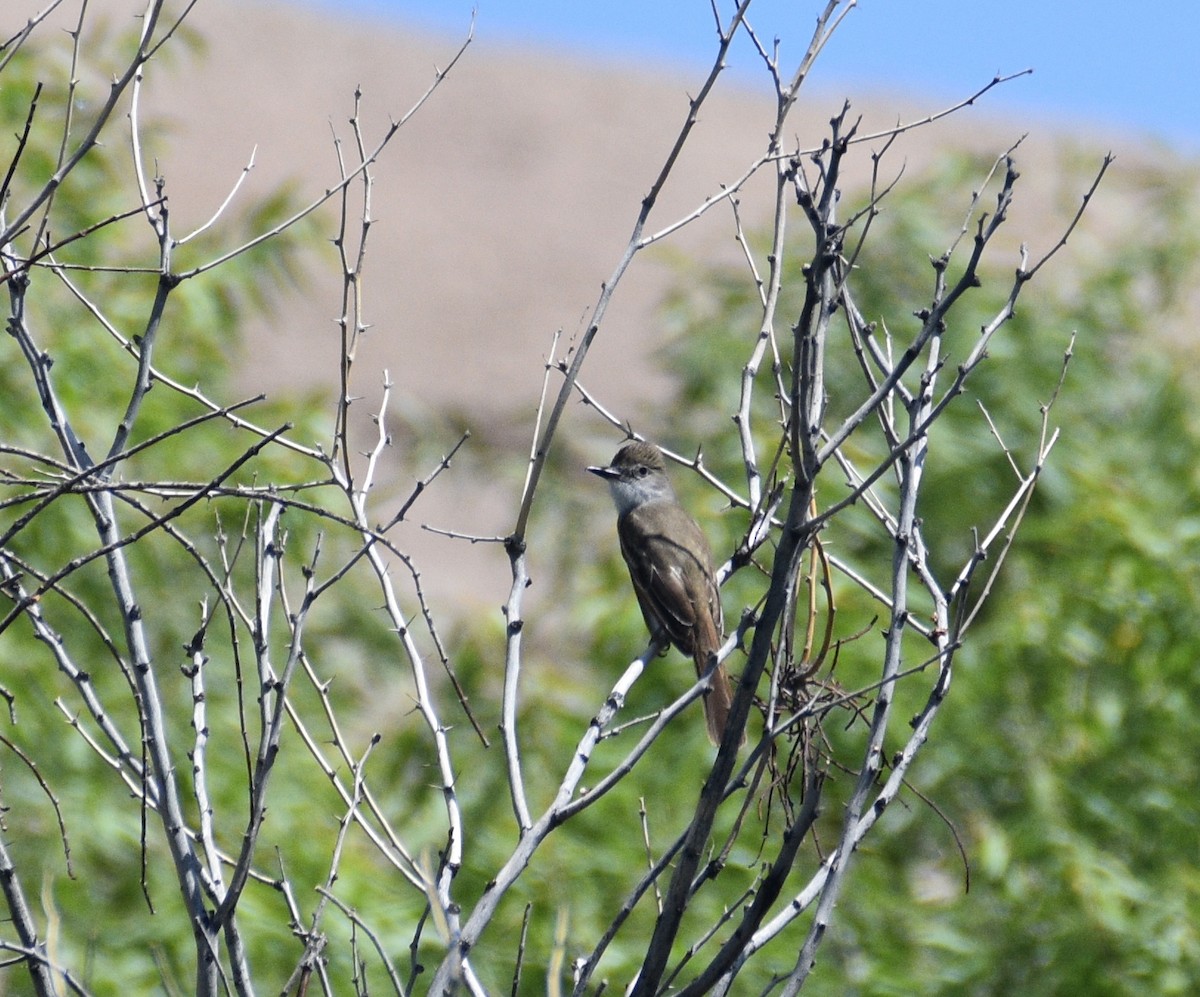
630,492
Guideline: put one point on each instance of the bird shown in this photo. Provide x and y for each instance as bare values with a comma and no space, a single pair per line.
670,565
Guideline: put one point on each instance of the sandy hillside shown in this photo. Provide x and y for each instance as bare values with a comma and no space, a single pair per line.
499,210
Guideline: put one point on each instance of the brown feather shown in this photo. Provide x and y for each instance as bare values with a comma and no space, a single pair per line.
683,601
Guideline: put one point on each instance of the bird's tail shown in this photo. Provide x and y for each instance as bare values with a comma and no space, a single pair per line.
717,700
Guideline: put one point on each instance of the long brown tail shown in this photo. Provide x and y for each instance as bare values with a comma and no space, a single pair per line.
717,702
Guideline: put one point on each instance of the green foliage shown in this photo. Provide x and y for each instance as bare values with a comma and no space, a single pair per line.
1062,757
82,896
1065,757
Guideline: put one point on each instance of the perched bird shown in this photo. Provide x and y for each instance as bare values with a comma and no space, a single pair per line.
670,565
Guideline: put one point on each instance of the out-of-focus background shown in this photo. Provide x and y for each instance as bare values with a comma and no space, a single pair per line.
507,201
1096,66
1065,761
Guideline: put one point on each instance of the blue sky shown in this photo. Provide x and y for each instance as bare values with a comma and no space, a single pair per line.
1108,65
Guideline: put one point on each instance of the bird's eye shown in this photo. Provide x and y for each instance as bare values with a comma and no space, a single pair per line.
643,471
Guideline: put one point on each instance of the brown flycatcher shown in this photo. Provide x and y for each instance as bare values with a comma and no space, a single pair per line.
671,567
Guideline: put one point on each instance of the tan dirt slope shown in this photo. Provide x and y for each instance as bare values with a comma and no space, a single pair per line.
499,210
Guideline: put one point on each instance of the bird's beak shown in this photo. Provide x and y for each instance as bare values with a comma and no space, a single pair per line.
604,472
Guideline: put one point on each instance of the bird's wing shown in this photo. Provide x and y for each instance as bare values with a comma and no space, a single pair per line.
671,568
